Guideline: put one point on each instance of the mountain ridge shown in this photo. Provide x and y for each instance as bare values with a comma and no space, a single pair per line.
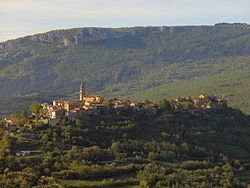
62,34
83,35
127,62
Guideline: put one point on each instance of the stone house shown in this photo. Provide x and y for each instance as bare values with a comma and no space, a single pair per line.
69,105
93,98
57,113
12,122
135,105
122,103
58,102
75,113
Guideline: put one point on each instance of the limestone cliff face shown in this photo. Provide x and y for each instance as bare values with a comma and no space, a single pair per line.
80,36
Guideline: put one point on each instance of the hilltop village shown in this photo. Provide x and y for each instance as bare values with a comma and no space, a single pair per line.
96,105
95,142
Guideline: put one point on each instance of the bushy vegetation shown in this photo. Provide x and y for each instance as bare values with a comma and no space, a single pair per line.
210,149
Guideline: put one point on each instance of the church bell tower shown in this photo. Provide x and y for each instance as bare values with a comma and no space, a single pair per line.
82,91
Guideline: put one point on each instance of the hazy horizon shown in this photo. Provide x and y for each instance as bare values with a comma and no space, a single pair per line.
27,17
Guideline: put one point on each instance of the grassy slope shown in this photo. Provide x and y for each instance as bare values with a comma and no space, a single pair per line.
229,80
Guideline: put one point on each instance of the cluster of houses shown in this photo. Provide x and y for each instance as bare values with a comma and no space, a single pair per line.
95,104
73,109
91,104
203,102
88,104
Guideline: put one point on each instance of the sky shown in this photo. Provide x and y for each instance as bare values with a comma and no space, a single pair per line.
25,17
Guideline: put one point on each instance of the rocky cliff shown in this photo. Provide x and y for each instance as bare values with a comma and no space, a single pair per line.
80,35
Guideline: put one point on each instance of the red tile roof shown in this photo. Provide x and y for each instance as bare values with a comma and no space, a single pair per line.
91,96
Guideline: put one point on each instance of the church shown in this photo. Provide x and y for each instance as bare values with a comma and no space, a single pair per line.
72,108
89,98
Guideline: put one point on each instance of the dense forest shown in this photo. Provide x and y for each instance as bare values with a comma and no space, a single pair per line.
139,63
127,148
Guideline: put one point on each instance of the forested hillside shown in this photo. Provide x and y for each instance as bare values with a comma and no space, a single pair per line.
123,148
139,62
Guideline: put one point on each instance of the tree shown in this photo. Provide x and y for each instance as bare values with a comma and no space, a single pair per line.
24,114
151,173
42,111
36,108
2,123
164,104
78,123
54,134
45,138
23,121
188,106
108,104
172,104
14,116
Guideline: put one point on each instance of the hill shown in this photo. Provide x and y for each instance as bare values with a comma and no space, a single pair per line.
138,62
124,148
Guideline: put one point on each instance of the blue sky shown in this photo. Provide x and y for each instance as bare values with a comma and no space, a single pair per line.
25,17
